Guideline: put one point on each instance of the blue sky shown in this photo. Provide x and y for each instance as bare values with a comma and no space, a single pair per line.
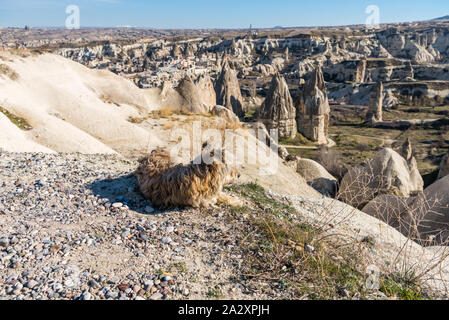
215,13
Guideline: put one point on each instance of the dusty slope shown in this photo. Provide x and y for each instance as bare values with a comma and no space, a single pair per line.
72,108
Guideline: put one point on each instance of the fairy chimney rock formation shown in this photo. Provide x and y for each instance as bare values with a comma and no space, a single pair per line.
361,70
374,113
207,91
228,91
176,52
191,99
312,110
278,110
407,150
409,72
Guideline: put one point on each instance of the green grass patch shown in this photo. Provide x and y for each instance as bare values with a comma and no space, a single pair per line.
21,123
299,140
402,287
180,267
214,294
257,195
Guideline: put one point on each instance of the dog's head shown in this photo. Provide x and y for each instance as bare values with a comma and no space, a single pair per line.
232,174
222,161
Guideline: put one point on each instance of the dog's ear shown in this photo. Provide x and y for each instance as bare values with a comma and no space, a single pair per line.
223,155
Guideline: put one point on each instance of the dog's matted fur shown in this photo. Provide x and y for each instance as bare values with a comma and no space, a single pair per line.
195,185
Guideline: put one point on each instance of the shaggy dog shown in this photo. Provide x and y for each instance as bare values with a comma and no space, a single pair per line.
168,185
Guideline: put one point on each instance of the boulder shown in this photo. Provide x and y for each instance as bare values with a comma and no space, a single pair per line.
444,167
228,115
386,173
278,111
428,214
407,150
317,176
389,209
258,128
423,218
312,111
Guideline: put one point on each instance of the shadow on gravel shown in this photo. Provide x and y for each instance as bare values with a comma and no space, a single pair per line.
124,190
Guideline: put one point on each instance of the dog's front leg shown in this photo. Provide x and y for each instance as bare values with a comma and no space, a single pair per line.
229,200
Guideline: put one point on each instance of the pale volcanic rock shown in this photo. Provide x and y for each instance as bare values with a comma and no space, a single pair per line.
228,115
73,108
430,210
312,111
228,91
278,111
409,73
423,218
361,71
206,90
189,51
374,113
191,99
444,167
407,150
381,52
317,176
176,52
386,173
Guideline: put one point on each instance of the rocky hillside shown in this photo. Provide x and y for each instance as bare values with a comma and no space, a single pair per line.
66,107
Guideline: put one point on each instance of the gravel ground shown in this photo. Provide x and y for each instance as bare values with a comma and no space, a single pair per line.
75,227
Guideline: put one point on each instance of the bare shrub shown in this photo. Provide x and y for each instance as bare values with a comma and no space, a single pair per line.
331,161
419,219
363,147
416,218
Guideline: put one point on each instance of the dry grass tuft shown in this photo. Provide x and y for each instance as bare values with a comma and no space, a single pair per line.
303,261
165,112
108,100
291,255
7,71
137,120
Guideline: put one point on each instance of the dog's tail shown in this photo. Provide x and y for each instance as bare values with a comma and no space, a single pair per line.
154,165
